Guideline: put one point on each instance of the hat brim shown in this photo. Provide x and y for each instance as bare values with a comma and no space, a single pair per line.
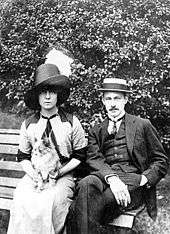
56,81
62,86
115,90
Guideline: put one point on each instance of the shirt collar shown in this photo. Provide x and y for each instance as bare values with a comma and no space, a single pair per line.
49,117
118,118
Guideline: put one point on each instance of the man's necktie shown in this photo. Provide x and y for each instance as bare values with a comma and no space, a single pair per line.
114,128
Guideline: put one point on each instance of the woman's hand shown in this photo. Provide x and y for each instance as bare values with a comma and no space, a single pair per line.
30,171
54,174
34,175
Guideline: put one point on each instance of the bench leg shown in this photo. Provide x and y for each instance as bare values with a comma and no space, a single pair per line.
121,230
4,220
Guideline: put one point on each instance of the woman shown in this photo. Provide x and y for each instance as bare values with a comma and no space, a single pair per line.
44,212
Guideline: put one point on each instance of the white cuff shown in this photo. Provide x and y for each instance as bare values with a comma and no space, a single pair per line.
108,176
144,180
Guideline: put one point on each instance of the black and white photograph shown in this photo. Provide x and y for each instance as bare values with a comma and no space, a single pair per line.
84,116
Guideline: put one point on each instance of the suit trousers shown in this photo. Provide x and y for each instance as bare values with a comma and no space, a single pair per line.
94,206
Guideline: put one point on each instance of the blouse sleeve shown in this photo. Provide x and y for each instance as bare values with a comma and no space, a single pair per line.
24,150
79,141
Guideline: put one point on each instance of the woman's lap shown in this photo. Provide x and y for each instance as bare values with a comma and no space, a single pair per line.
41,207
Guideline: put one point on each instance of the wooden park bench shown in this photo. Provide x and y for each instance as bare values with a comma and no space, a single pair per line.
11,172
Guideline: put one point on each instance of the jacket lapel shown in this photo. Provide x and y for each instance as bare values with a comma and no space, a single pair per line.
130,126
103,131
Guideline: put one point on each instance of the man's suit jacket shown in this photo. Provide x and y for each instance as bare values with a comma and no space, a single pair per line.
144,148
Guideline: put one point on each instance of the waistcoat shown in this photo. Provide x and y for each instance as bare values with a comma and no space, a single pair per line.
115,148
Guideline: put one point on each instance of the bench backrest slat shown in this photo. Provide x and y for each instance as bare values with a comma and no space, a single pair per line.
7,165
9,131
6,192
5,204
8,149
9,139
7,187
10,170
9,182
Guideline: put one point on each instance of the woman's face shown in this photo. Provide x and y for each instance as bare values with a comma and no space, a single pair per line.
48,100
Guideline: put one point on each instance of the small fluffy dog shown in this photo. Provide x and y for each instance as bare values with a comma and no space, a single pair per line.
45,161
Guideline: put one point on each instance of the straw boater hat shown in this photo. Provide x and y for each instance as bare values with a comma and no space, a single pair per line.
48,75
115,84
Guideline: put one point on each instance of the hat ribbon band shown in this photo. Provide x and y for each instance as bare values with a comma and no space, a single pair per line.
115,86
48,78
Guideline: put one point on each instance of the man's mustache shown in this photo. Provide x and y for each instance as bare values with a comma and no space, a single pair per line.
113,108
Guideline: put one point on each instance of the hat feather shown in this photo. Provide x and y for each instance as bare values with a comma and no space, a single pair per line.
62,61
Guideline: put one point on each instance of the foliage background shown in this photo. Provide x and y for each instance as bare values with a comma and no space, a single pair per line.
123,38
108,38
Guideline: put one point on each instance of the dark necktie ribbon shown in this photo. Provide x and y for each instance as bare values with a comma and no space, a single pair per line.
48,133
48,129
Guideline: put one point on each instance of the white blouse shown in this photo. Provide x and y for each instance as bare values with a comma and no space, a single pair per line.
68,137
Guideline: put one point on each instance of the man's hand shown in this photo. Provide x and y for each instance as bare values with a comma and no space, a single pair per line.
120,191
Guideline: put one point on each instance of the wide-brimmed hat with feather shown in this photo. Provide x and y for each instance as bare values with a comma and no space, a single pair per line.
48,76
53,74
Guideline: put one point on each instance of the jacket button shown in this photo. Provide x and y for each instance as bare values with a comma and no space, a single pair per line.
148,186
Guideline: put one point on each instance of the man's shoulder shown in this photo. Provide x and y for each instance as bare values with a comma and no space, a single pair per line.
139,119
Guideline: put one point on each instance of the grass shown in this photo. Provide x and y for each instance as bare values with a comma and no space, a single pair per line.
145,224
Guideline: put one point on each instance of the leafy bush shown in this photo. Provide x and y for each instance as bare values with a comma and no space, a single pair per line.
127,39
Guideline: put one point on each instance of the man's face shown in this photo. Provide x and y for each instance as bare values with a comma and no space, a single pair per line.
114,103
48,99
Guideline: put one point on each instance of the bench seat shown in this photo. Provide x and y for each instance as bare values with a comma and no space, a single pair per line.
127,218
11,172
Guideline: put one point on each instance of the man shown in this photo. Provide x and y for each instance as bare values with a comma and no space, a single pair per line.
126,159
